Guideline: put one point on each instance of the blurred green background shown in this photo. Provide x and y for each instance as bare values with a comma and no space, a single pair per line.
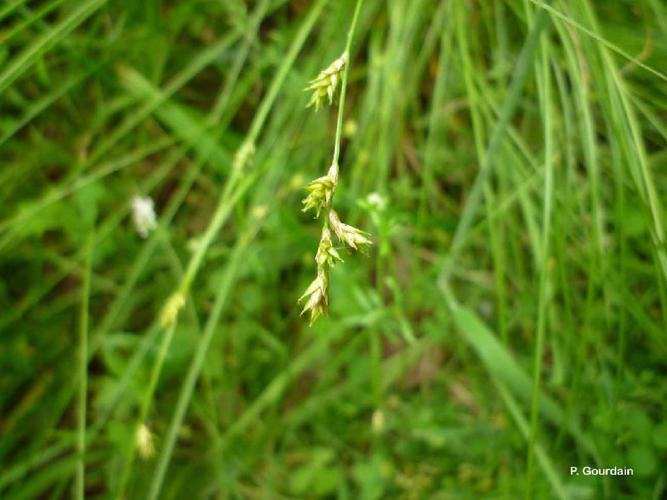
509,322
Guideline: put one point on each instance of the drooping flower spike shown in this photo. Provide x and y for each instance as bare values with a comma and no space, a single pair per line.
321,190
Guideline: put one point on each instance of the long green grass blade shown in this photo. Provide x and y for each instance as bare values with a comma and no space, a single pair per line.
30,55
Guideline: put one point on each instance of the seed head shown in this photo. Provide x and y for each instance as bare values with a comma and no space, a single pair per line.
316,293
351,236
143,215
326,255
324,85
171,308
320,191
145,443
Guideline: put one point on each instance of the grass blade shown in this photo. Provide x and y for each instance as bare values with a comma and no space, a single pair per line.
509,106
42,44
83,372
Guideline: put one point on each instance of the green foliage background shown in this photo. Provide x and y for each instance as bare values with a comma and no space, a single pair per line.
510,321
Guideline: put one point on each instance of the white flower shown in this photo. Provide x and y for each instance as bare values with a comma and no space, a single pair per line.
376,200
143,215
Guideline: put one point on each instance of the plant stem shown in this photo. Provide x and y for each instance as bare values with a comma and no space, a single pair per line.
343,85
83,372
222,211
341,111
544,85
510,104
341,108
145,407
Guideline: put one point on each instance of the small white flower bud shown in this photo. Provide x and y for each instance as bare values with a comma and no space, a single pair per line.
376,200
143,215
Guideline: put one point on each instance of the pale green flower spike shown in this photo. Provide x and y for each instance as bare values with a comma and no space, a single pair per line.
318,302
145,443
320,196
351,236
324,85
327,255
321,191
171,308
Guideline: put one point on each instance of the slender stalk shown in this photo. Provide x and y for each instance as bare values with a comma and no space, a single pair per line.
497,136
221,214
435,128
231,194
41,44
343,88
243,154
323,189
544,83
595,36
83,373
194,370
145,407
341,105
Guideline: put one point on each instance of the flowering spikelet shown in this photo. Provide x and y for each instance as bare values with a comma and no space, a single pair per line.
320,191
324,85
171,308
326,258
143,215
351,236
317,303
327,255
145,443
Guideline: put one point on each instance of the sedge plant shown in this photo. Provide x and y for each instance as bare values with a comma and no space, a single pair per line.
321,190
